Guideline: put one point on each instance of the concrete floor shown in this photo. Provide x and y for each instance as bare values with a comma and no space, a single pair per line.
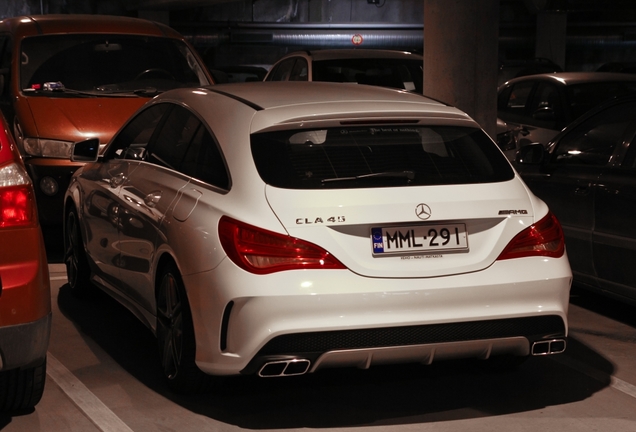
103,374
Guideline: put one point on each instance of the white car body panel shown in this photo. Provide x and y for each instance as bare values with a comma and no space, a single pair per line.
237,313
304,215
300,301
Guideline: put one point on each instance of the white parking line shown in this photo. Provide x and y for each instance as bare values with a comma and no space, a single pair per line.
625,387
91,406
57,272
58,278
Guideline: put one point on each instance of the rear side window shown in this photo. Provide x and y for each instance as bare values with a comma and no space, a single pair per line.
173,137
514,100
132,140
387,156
282,71
185,144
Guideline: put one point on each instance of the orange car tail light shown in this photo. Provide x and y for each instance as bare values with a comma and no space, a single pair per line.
260,251
545,238
17,202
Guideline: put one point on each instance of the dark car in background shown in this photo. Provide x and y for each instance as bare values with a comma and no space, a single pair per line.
25,297
66,78
587,176
510,69
536,107
384,68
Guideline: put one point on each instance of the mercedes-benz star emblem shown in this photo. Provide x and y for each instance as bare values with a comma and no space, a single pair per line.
423,211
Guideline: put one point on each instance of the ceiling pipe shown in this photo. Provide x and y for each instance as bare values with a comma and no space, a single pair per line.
376,36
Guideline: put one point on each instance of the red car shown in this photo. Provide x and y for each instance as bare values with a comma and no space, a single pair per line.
25,297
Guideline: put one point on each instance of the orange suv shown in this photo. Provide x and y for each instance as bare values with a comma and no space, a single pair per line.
66,78
25,298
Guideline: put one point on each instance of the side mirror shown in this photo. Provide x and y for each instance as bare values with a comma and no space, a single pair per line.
532,154
85,151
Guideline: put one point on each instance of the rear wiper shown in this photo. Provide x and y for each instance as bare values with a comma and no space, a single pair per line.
388,174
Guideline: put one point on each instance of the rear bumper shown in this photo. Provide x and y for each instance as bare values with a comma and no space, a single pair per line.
337,318
24,345
422,344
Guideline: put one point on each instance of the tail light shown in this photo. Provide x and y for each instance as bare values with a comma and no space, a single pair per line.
260,251
545,238
17,203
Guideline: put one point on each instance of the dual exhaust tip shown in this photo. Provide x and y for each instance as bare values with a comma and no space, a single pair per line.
285,368
296,366
547,347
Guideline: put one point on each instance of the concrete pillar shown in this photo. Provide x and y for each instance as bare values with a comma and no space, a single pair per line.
552,36
460,56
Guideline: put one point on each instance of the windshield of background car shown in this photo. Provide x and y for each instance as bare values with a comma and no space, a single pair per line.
384,72
584,97
106,63
378,156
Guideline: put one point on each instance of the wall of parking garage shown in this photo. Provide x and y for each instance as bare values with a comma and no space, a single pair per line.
258,32
596,33
11,8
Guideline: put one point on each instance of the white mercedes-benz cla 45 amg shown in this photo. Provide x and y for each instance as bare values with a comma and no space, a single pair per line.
277,228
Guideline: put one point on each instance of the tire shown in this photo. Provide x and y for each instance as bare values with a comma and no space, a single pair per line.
175,336
21,389
77,268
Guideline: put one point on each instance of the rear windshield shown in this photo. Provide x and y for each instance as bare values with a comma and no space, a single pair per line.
383,72
109,62
387,156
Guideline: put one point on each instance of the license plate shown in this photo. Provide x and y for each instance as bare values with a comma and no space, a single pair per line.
419,239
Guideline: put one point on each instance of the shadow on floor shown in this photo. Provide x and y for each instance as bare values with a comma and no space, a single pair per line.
385,395
54,243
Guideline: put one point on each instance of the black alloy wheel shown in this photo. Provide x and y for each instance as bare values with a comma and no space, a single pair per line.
175,336
77,268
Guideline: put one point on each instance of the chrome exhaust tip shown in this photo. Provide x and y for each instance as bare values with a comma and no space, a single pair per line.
548,347
284,368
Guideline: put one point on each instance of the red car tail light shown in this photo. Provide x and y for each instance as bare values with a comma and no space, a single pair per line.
17,203
260,251
545,238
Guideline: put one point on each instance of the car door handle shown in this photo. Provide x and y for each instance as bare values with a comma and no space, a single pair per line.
152,199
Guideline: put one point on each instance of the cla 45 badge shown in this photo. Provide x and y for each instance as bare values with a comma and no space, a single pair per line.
319,220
